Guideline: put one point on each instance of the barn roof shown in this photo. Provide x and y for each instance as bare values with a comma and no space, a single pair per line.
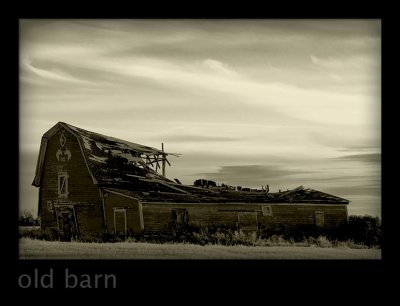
301,194
110,161
130,169
189,194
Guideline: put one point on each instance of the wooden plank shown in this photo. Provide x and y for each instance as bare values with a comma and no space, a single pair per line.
141,216
148,158
165,184
163,160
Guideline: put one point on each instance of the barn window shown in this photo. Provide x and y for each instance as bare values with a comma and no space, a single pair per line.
63,184
266,210
319,218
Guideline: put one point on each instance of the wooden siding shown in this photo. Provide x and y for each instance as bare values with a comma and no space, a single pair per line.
40,162
158,216
131,205
82,192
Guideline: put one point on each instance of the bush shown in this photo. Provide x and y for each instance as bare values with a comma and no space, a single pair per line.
359,232
47,234
323,242
364,229
26,218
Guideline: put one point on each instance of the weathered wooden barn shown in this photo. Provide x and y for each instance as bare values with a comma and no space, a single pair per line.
91,183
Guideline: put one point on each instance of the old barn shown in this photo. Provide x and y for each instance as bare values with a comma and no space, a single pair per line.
92,183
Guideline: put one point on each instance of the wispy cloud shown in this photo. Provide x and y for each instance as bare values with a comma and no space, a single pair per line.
369,158
196,138
55,75
253,174
242,100
219,67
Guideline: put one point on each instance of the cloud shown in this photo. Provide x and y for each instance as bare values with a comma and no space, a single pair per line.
316,105
360,147
56,76
196,138
252,174
368,158
275,100
358,61
219,67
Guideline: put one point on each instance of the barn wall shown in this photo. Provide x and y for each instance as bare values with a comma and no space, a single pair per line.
83,194
132,212
158,216
300,214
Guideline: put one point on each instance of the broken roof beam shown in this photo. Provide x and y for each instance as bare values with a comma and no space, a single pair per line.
164,184
149,162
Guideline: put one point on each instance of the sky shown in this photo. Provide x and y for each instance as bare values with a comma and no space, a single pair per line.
245,102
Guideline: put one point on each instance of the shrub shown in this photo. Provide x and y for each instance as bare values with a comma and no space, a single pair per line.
359,232
323,242
26,218
364,229
46,234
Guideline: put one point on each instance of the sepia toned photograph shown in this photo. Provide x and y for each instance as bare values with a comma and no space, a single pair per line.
200,139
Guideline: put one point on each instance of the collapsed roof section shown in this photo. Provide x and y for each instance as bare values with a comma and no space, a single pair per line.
113,161
153,191
301,194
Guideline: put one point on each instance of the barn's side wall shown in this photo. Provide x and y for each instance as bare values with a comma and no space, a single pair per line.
83,194
112,201
158,216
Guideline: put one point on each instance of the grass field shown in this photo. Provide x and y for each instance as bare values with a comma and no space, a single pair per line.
39,249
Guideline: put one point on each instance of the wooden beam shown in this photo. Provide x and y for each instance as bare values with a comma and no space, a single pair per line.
157,164
148,158
163,160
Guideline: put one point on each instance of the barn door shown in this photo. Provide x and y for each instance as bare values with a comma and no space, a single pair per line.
247,221
66,221
120,226
180,219
319,218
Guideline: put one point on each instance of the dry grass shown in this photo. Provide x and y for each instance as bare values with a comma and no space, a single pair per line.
38,249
